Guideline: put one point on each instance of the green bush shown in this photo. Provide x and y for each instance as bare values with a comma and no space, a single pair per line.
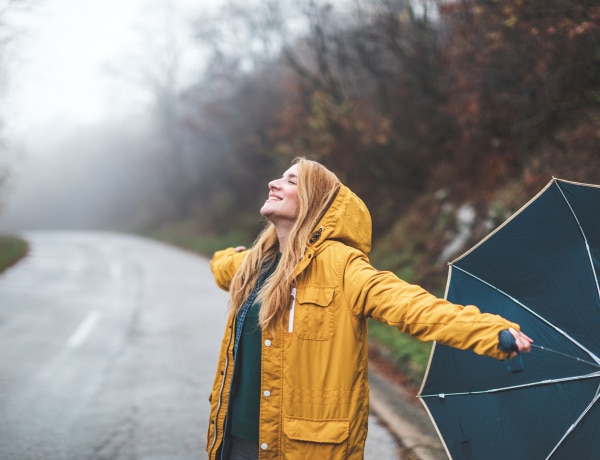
12,249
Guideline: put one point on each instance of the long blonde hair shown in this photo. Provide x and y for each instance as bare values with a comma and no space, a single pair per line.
317,187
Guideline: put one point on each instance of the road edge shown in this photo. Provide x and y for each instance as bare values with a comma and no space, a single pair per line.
395,407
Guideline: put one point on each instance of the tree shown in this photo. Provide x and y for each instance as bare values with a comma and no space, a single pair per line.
160,73
359,91
368,99
518,72
401,100
8,35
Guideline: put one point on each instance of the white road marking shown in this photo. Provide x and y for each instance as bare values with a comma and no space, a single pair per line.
84,329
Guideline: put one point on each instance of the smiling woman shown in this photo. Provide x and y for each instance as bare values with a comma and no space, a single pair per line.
292,376
12,249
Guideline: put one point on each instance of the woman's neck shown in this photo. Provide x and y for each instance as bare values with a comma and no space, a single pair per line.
283,232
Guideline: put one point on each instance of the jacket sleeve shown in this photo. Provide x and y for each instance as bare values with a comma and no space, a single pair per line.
224,264
386,298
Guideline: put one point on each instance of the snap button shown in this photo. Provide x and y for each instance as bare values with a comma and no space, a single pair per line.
267,343
267,393
264,446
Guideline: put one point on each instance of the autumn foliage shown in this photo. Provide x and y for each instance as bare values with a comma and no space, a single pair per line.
523,87
417,110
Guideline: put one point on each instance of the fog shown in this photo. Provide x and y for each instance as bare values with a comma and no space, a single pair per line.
79,114
88,179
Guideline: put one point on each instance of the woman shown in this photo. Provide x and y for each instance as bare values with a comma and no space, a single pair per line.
292,378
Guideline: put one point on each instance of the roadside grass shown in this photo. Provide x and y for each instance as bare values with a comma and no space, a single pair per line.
12,249
185,236
407,354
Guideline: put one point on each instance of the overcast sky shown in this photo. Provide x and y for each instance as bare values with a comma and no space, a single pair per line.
69,54
71,76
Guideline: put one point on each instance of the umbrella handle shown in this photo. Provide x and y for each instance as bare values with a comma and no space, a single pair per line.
508,344
514,365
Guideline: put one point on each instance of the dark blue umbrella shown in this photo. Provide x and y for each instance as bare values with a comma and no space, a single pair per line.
539,269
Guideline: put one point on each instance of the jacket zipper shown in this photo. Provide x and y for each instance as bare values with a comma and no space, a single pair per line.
215,435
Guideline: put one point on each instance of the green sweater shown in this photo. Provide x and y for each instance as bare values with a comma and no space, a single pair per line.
246,398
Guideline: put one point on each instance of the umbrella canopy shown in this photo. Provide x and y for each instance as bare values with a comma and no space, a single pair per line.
539,269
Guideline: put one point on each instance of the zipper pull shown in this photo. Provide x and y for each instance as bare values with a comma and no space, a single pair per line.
291,321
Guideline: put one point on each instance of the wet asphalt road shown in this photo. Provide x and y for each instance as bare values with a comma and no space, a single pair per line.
108,344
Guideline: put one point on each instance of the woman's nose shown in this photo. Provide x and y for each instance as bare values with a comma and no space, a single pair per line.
273,184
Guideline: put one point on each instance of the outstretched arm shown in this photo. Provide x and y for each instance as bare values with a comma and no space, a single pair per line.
224,264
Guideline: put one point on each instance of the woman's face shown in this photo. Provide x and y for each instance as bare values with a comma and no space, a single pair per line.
282,204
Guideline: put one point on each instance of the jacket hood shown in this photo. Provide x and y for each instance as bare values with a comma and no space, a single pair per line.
346,220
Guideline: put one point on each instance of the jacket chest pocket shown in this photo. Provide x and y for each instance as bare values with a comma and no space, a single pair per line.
314,313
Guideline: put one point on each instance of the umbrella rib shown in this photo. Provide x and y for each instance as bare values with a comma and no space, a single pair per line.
564,355
587,246
541,318
574,425
517,387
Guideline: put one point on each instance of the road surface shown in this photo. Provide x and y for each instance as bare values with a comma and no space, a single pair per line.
108,345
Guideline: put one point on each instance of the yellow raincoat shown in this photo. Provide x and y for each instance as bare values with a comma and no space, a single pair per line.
315,392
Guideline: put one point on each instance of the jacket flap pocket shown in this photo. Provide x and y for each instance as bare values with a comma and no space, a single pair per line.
321,296
322,431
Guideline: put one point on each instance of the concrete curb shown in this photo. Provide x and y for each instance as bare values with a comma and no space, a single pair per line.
395,407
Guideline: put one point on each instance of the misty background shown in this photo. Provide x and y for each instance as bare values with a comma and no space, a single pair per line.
168,118
90,88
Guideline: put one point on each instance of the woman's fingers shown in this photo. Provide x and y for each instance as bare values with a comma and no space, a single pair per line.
523,341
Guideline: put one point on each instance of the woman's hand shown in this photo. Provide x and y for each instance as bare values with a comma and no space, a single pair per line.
239,248
523,342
